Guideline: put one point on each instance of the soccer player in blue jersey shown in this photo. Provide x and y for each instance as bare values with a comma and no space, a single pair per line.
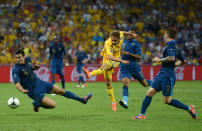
82,58
57,51
165,79
131,51
28,83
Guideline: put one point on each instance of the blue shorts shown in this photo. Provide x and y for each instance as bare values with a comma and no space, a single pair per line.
164,83
38,90
57,68
79,68
135,73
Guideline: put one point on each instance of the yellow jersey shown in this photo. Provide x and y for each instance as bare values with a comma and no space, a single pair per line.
114,50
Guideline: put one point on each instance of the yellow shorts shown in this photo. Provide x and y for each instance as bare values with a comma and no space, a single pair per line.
110,66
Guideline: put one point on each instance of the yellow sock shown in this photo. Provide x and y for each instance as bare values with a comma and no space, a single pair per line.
97,72
111,94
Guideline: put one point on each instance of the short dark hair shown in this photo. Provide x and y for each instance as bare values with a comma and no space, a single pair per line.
171,33
133,28
20,51
115,33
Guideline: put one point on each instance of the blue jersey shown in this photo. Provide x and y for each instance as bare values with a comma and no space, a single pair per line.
23,74
57,53
80,57
171,50
131,46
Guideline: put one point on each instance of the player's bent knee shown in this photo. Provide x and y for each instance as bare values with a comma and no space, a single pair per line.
125,81
151,92
166,100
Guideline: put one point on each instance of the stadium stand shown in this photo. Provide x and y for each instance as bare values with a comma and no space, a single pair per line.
32,25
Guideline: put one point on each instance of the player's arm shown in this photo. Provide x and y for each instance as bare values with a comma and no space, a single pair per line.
111,57
16,79
136,56
166,59
20,88
36,65
179,63
125,33
170,58
181,59
86,59
137,50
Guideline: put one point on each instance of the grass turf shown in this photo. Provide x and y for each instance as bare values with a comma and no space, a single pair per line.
97,114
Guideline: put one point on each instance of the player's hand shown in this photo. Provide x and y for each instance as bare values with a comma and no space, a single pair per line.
156,59
25,91
135,36
125,62
83,61
124,52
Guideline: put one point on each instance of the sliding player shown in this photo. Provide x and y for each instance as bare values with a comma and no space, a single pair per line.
28,83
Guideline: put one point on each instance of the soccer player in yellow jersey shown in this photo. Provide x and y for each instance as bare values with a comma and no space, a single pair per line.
111,59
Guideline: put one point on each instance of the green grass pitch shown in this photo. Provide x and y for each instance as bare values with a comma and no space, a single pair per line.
70,115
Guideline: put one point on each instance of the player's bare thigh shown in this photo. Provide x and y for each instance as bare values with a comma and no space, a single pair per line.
151,92
167,99
48,102
57,90
125,81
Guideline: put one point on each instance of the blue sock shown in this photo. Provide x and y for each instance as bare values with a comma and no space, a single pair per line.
125,94
178,104
149,82
53,81
146,102
82,80
71,95
63,82
79,80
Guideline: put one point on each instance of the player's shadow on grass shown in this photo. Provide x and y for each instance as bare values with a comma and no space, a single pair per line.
59,117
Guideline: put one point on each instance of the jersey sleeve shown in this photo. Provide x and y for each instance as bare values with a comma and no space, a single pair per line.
108,48
180,56
138,49
171,51
15,75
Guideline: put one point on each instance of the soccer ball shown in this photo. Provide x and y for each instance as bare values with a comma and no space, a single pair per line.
13,102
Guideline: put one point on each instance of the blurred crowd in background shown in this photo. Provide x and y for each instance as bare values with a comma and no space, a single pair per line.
32,24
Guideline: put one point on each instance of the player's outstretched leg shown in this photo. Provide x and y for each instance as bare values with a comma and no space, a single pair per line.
70,95
178,104
94,72
86,72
